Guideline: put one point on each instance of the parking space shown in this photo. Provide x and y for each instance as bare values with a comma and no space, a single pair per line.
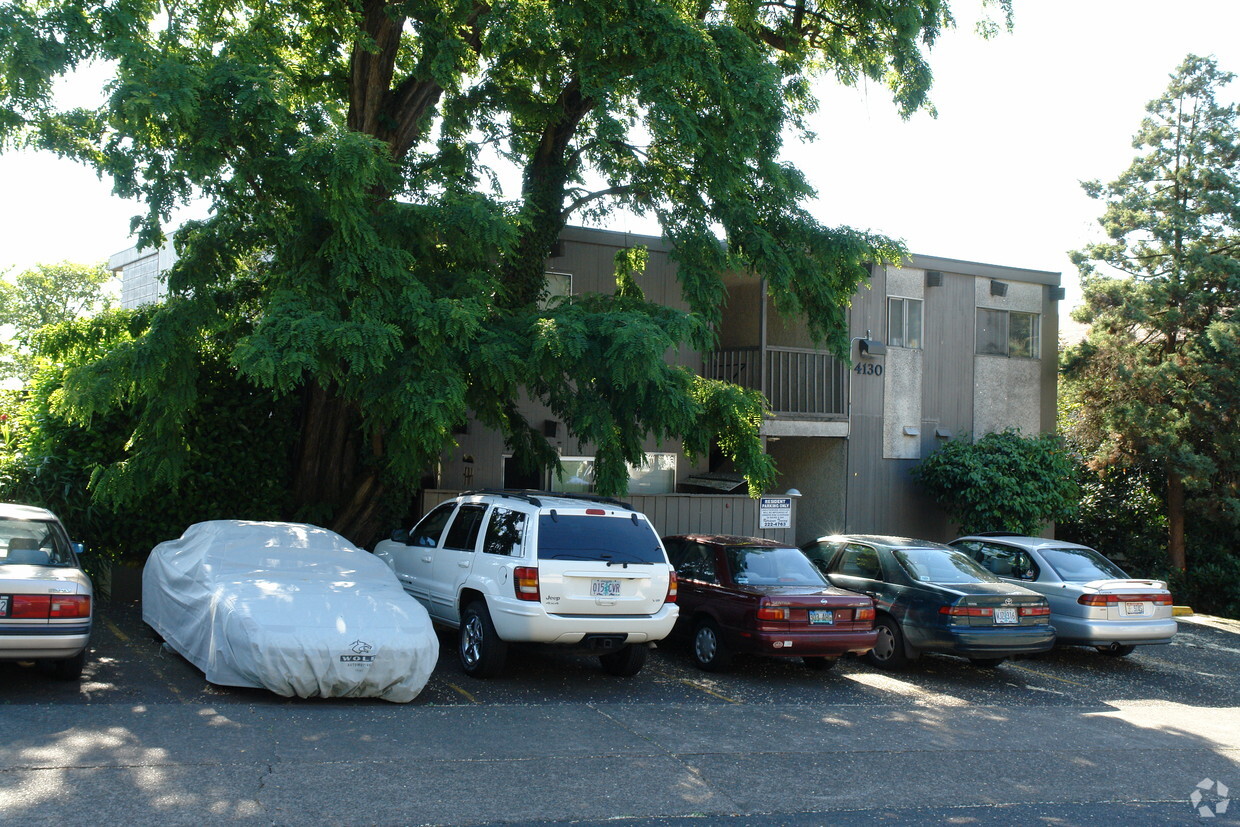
1201,667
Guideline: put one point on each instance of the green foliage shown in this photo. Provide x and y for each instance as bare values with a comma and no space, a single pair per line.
45,295
238,445
368,267
1157,380
1002,482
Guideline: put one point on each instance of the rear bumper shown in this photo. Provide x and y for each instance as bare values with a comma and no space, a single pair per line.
802,644
521,622
988,642
1085,632
31,642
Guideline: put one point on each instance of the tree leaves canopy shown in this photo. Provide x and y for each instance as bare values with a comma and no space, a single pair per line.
357,249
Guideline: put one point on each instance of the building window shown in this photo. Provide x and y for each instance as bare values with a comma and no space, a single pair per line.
1008,333
656,476
558,285
904,322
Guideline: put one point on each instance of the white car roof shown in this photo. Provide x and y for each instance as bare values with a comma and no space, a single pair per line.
13,511
1027,542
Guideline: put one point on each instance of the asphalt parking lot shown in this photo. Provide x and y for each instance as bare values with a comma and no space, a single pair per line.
1071,737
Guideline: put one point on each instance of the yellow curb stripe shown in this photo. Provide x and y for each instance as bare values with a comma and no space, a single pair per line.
1181,610
1044,675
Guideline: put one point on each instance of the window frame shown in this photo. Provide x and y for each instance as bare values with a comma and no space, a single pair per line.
903,338
1000,342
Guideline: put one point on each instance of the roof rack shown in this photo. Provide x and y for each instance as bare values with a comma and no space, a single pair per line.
532,496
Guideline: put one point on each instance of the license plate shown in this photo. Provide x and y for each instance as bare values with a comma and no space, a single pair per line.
823,616
1006,616
605,588
1134,608
4,605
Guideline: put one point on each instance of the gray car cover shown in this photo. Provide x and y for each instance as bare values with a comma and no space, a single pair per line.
288,607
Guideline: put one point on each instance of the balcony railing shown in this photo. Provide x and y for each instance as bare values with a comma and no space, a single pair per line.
802,383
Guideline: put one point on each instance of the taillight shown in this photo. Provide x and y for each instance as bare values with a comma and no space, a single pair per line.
772,613
965,611
671,588
72,605
1112,599
864,614
30,606
525,582
1034,611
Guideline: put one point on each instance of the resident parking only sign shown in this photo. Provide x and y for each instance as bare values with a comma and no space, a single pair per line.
775,512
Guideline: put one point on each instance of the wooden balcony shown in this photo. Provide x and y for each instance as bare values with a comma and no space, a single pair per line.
799,384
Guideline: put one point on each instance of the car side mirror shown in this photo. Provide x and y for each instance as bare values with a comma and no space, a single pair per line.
400,536
78,548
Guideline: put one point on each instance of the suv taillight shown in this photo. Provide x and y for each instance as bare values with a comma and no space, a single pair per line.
671,588
525,582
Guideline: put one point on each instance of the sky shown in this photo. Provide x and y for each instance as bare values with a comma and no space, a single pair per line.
1022,120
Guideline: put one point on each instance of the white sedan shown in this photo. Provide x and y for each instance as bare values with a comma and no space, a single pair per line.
45,597
289,607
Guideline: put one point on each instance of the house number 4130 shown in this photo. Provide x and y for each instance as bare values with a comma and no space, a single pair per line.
869,369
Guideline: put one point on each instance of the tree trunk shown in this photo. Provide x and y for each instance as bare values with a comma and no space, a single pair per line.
1175,520
333,476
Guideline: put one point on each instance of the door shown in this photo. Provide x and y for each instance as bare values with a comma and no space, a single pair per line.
412,560
453,560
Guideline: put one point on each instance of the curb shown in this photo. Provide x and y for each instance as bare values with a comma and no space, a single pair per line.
1178,611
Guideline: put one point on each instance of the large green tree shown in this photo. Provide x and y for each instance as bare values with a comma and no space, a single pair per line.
348,148
43,295
1158,377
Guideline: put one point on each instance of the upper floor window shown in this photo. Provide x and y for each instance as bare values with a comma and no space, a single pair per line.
903,322
1009,333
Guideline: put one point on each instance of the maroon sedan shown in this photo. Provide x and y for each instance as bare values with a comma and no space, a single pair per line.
749,595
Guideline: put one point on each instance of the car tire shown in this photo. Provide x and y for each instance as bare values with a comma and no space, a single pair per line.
69,669
1121,651
818,664
709,651
481,652
888,651
627,662
986,663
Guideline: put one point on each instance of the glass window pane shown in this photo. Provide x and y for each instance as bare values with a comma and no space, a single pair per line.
656,476
895,322
1023,338
505,532
992,331
912,323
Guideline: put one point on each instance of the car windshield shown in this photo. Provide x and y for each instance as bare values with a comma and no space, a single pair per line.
764,566
611,539
940,565
32,542
1081,565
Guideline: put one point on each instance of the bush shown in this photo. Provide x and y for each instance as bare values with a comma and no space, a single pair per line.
1002,482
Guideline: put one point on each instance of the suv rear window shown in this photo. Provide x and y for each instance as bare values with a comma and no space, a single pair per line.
582,537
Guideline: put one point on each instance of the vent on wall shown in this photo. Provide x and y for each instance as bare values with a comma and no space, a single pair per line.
934,278
998,288
1058,294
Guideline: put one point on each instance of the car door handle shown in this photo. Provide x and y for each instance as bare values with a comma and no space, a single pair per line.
463,563
426,559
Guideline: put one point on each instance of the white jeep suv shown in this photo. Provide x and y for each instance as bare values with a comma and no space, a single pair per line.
585,573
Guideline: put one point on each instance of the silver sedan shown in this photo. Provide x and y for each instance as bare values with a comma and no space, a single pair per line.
1093,601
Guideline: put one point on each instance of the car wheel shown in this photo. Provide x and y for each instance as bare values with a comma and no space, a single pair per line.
986,663
888,651
69,669
627,662
1116,651
481,651
818,664
709,651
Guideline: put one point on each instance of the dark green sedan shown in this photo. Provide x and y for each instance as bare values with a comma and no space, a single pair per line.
932,598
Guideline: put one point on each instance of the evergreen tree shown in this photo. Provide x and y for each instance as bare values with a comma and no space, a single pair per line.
1158,376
